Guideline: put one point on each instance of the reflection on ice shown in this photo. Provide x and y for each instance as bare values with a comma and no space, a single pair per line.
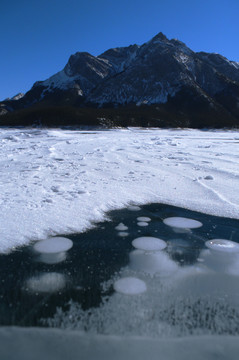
182,223
49,283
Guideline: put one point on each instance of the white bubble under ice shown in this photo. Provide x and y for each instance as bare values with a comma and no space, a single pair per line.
55,258
143,219
222,256
130,286
123,233
121,227
49,282
182,223
152,263
223,245
134,208
142,223
53,245
149,243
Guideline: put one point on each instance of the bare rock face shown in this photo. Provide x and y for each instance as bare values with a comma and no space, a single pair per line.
162,73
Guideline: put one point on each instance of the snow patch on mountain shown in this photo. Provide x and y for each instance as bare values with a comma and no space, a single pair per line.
151,73
60,80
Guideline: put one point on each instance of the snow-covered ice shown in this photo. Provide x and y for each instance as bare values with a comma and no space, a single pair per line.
50,344
61,181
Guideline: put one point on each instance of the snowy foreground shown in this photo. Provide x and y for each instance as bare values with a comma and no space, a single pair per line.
38,344
61,181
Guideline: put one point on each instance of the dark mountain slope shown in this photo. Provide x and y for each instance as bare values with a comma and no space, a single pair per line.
160,83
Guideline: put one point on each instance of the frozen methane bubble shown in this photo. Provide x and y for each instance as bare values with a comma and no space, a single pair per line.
53,245
142,223
134,208
123,233
182,223
223,245
143,219
152,262
49,282
121,227
222,255
52,258
148,243
130,286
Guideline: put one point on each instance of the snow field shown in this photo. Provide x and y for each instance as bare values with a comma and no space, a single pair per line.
50,344
61,181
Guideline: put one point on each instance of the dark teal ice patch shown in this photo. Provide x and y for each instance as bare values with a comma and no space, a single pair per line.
96,256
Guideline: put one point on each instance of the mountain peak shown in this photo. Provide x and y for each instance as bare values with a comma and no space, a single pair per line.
160,37
162,73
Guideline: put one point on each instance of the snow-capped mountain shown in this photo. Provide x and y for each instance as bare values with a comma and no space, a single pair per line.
174,82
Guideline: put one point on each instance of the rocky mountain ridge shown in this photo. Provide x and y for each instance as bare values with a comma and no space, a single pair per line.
171,84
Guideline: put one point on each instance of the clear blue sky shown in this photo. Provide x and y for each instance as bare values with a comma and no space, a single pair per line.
38,36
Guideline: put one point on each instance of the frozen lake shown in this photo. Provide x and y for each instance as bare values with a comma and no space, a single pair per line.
38,278
123,268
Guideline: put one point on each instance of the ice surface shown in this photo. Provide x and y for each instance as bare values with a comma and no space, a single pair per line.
55,344
130,286
182,223
149,243
60,181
